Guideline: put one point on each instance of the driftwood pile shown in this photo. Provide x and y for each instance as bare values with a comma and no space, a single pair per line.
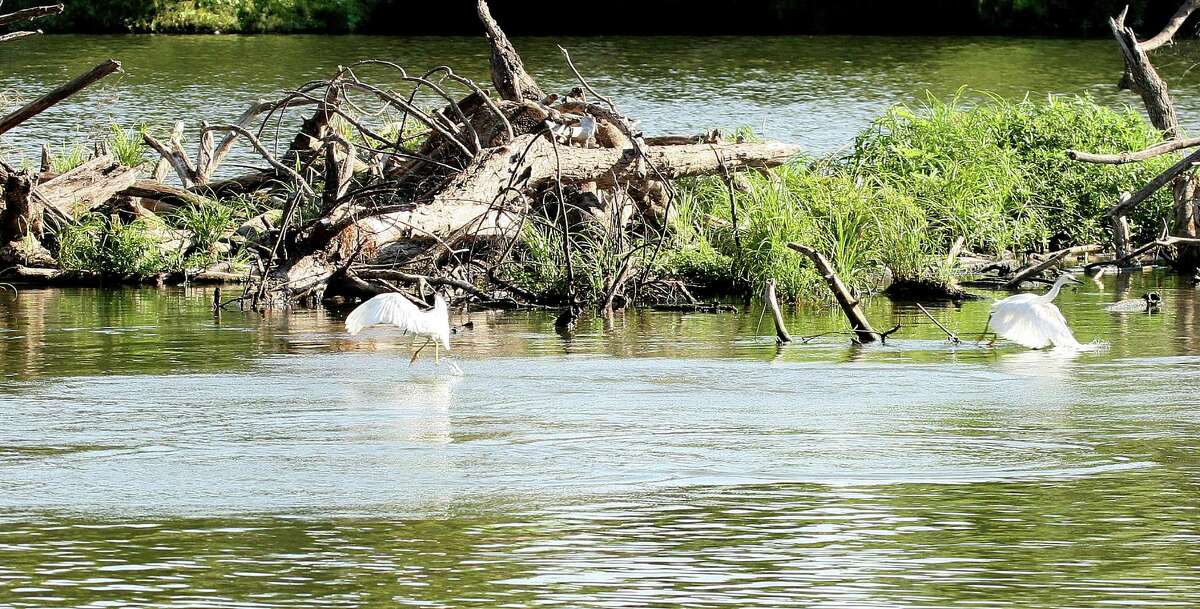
422,197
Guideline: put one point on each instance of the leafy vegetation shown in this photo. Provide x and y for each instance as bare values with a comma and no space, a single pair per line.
193,237
994,173
104,244
1060,17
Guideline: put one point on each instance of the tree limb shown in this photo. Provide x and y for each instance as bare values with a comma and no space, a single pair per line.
1158,182
511,80
1172,26
40,104
1121,158
29,14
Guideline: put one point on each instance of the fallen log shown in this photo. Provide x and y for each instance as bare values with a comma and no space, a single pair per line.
475,198
162,193
57,95
1161,242
49,276
1036,267
87,186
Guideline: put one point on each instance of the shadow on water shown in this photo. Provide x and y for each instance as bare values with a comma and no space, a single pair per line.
152,456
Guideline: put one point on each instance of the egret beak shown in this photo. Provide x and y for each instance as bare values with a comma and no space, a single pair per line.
1074,280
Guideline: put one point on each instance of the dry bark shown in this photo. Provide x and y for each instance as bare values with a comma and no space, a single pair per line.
781,332
511,80
22,213
29,14
862,329
87,186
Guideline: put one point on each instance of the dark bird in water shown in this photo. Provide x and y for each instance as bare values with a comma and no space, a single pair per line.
1148,303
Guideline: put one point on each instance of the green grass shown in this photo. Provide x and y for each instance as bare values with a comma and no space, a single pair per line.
128,146
65,158
106,245
147,246
992,172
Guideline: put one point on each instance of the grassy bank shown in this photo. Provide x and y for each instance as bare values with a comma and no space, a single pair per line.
1022,17
994,173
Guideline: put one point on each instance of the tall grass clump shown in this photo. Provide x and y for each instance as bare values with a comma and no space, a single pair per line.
992,172
862,229
996,172
106,245
66,158
127,145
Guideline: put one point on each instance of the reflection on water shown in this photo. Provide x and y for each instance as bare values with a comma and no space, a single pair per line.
153,456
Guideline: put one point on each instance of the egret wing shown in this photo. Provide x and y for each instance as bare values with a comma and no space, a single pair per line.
1015,323
384,309
1032,324
1054,326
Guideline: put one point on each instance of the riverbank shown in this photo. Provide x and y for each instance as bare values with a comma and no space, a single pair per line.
1040,17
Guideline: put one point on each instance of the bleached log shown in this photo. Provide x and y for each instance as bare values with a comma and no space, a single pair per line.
87,186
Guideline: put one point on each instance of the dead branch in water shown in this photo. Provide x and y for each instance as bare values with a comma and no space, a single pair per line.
781,331
850,305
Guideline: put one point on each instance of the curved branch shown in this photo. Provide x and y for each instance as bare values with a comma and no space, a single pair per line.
262,150
1133,157
1172,26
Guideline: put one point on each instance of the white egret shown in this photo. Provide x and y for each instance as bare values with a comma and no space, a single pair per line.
1032,320
397,310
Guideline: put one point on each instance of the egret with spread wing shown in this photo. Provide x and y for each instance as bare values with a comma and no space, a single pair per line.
1032,320
397,310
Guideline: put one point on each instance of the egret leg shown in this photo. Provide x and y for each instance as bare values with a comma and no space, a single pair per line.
418,351
435,354
986,326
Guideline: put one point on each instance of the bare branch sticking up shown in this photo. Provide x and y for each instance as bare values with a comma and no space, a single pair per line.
863,331
511,80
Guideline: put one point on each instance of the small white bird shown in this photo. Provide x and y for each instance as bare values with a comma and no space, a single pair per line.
397,310
1032,320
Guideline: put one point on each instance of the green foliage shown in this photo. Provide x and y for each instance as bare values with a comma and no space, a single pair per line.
107,245
994,173
1059,17
67,158
127,145
208,223
855,225
997,173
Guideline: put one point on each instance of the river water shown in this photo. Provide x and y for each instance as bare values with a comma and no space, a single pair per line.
152,456
814,91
